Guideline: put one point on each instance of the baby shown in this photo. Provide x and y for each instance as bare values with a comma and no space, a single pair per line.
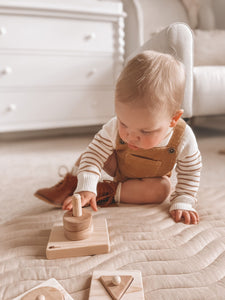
140,146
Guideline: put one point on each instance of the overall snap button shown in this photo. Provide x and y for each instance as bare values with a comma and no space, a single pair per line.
171,150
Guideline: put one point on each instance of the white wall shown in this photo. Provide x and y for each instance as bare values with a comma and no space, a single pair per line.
219,8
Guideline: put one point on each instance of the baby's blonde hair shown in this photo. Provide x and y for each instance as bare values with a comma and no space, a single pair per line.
154,79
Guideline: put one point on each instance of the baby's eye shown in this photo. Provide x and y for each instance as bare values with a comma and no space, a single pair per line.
146,132
123,125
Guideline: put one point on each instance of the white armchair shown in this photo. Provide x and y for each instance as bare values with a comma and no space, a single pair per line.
196,48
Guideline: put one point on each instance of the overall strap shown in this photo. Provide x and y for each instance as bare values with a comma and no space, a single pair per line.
177,134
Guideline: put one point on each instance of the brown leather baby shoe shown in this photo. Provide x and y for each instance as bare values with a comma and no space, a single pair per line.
56,194
106,191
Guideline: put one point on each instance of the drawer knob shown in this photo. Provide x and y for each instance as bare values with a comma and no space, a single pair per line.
7,70
11,107
90,36
3,30
92,72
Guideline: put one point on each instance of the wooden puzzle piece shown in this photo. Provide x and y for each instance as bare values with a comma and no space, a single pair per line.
135,290
116,285
47,290
44,293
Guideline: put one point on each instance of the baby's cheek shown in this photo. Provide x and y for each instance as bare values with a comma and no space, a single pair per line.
149,142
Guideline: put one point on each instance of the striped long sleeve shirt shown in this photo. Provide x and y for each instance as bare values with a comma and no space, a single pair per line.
187,167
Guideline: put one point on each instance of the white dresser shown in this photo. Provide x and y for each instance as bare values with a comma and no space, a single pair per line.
58,62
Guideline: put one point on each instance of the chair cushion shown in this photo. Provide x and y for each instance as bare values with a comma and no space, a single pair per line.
200,14
209,90
157,14
209,47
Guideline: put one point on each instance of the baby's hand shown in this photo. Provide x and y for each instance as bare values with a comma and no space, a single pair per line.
86,198
190,217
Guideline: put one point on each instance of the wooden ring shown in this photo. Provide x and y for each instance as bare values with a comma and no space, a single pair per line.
78,235
81,223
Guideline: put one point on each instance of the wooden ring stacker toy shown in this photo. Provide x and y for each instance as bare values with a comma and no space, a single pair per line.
79,235
78,222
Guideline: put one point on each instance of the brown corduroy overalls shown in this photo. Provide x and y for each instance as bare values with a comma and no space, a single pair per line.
154,162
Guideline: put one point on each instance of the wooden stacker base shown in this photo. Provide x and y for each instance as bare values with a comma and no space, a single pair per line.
60,247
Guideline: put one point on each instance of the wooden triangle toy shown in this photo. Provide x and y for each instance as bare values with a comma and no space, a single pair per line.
116,285
103,281
80,234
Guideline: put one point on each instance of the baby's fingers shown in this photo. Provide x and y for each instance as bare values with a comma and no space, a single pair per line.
84,202
187,217
69,207
67,204
93,204
173,214
194,217
178,215
190,217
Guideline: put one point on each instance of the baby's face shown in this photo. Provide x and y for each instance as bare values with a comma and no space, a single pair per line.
139,127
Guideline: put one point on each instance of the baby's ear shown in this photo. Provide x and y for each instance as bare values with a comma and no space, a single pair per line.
176,117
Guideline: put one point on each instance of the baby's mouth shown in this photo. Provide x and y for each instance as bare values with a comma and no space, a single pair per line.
132,147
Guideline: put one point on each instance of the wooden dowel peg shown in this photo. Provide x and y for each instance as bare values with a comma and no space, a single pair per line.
40,297
77,208
77,223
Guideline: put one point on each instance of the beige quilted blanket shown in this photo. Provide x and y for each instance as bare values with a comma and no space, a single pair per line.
177,261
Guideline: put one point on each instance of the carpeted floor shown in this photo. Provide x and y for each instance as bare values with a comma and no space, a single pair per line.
29,164
176,261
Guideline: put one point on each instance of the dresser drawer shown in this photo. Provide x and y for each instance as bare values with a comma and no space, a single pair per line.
54,109
45,70
58,62
39,33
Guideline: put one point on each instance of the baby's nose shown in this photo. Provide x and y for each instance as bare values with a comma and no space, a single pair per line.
132,136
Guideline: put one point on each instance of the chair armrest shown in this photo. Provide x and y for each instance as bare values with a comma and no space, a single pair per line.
177,40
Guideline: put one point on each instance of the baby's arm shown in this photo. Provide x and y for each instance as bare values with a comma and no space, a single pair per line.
91,164
183,199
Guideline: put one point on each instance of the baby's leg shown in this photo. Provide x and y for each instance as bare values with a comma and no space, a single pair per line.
146,190
57,194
